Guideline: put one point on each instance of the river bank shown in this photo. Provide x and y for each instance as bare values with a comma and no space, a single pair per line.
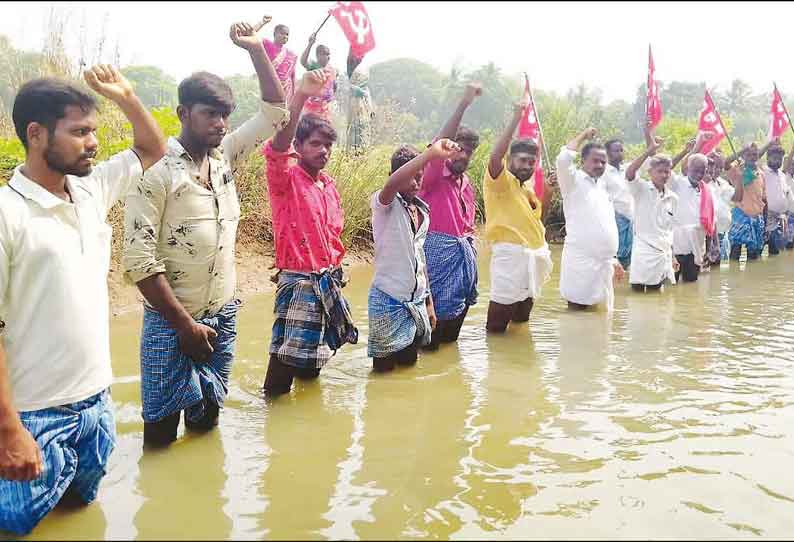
254,270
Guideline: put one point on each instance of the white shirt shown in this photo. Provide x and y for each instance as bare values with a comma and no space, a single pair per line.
591,240
399,251
54,262
722,194
651,253
589,214
790,195
618,189
175,224
654,212
776,190
689,237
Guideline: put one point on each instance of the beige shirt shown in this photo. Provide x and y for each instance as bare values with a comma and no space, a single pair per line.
54,262
175,225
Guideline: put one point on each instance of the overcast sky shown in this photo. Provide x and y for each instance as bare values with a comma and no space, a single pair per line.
601,44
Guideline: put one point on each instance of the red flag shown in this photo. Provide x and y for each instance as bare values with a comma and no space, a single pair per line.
710,122
529,127
653,102
355,23
778,121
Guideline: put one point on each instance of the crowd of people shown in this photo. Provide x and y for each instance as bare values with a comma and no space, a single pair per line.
57,429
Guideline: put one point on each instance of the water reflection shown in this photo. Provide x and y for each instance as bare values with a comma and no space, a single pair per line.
670,418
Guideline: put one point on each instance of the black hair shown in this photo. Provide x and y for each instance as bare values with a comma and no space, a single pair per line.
206,88
322,48
612,142
591,146
523,145
308,124
777,149
402,156
44,101
467,135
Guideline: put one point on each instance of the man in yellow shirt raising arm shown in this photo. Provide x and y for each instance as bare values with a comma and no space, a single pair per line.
520,258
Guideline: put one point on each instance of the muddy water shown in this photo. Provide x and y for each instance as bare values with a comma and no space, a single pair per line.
671,419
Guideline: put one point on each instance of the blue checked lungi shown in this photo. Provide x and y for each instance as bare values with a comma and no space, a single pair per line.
313,318
747,231
170,380
452,271
76,441
625,238
394,325
774,230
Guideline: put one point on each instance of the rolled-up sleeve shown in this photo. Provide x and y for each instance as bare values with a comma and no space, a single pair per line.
143,213
253,132
566,170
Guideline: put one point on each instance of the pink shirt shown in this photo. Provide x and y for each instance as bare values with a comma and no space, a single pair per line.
451,200
307,219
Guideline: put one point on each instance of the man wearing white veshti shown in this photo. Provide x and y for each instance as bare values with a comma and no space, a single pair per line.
589,262
652,260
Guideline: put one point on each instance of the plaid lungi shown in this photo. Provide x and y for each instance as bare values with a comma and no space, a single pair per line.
746,230
394,325
170,380
313,318
76,441
452,270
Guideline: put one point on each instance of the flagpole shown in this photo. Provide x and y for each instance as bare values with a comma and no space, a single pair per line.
540,129
322,24
725,131
785,110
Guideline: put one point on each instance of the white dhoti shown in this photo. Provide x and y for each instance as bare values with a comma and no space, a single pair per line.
651,262
586,279
517,272
690,239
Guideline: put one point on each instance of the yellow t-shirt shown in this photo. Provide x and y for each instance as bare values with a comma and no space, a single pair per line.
509,215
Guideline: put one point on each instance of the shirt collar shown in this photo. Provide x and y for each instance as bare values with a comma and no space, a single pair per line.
176,149
33,191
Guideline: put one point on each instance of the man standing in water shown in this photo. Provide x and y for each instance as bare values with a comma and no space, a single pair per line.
283,60
693,220
747,226
451,255
776,197
312,317
618,189
520,258
320,105
181,230
57,429
652,260
589,263
401,315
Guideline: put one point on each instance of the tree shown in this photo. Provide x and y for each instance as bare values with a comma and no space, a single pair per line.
153,86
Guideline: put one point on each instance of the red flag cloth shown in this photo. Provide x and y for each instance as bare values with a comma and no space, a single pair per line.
653,102
706,209
778,122
710,122
355,23
529,127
